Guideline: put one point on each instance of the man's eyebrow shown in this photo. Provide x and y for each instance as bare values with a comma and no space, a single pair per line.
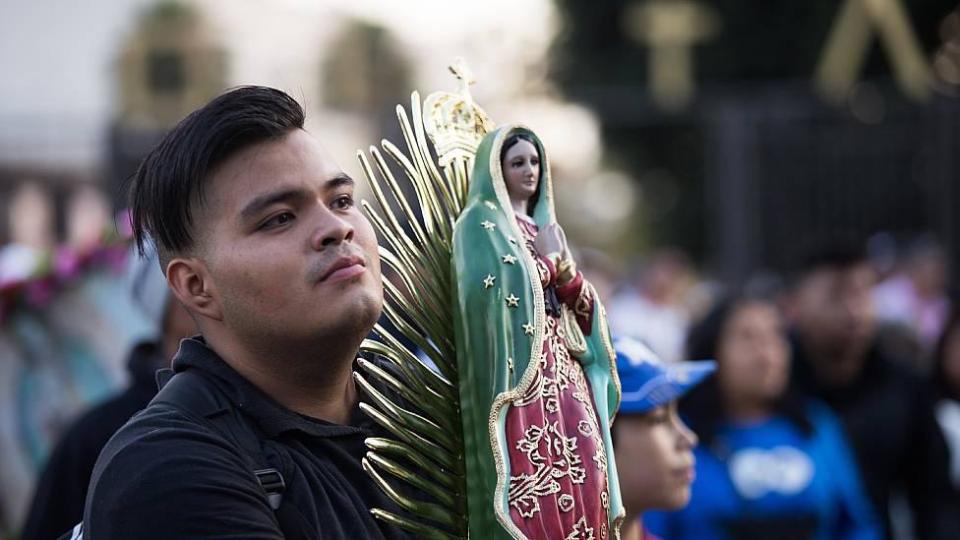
260,202
339,180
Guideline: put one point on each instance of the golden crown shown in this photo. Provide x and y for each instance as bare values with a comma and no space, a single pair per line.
453,121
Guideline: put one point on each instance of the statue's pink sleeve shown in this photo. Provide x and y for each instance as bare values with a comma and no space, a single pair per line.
576,295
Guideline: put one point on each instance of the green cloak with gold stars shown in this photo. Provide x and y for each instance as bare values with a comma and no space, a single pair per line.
498,300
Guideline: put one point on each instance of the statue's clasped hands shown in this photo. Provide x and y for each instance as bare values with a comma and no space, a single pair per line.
551,242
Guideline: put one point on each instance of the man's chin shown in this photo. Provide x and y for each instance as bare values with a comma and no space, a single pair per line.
360,313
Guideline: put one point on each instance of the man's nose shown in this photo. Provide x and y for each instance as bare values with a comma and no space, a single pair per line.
331,229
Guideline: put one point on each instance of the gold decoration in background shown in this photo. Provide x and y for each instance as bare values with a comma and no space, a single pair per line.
849,42
671,28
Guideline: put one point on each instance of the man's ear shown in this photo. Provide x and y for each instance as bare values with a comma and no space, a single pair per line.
194,288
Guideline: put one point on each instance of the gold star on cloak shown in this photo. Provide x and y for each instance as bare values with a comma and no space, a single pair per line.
488,281
528,329
509,259
513,301
490,205
488,225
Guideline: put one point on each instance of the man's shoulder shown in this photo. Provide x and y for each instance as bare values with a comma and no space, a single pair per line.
167,464
167,434
161,433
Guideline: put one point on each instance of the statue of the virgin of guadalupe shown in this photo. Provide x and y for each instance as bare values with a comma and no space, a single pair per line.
537,378
495,382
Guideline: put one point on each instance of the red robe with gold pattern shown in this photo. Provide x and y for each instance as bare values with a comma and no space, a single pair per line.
558,468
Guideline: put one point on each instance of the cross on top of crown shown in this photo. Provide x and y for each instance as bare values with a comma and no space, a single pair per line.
462,72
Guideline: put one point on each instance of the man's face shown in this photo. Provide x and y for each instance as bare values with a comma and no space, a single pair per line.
290,255
833,309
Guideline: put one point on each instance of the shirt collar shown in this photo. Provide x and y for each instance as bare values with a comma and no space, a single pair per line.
272,418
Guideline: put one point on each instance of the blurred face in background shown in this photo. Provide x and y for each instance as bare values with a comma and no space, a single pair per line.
951,360
832,310
666,277
928,271
654,453
753,355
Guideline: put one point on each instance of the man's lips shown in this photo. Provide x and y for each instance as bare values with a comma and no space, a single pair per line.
343,268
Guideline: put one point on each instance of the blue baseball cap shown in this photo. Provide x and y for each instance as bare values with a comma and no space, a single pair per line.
647,382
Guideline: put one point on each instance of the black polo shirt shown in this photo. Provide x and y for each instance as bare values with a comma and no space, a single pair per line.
165,475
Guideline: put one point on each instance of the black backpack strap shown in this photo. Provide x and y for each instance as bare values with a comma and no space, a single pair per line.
188,392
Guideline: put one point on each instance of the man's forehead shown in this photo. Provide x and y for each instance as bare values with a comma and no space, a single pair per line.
298,152
297,159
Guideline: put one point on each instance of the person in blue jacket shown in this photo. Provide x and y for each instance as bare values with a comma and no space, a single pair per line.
770,465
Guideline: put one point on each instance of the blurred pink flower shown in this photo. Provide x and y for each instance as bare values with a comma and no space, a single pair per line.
66,264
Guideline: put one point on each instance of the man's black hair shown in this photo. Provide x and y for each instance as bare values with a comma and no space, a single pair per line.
169,184
841,253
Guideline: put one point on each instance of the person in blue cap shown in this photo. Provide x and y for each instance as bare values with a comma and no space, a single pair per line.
653,447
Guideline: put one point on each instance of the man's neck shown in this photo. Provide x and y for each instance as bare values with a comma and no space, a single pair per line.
317,384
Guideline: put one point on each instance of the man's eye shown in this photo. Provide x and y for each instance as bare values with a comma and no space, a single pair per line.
343,202
278,220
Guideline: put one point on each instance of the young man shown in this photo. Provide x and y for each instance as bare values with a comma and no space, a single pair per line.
886,409
260,240
653,447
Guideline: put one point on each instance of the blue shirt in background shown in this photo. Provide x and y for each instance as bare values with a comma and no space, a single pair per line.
770,480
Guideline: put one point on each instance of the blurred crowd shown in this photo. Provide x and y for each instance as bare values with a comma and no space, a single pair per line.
835,408
834,411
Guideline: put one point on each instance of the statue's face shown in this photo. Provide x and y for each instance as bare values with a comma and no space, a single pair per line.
521,170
